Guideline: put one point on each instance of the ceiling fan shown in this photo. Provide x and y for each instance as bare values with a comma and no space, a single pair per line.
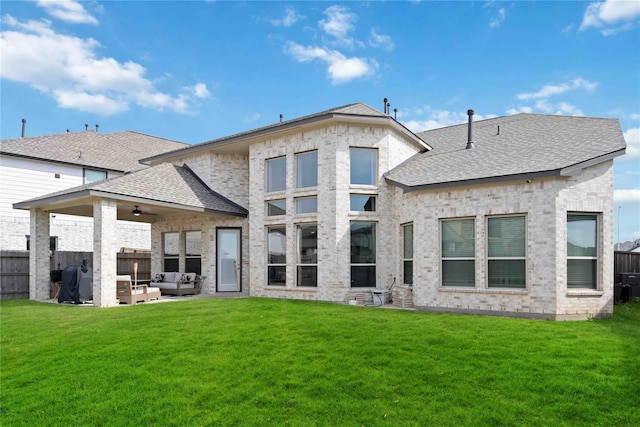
138,212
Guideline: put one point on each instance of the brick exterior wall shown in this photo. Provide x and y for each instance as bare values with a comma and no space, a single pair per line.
545,202
207,224
333,217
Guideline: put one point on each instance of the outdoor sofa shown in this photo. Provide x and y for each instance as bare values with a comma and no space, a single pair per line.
176,283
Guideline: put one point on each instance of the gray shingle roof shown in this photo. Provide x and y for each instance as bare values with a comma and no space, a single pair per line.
119,151
355,110
524,144
164,183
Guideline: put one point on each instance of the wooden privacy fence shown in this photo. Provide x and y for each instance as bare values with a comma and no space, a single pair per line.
626,262
14,268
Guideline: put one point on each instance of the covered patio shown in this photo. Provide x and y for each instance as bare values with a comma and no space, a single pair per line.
150,195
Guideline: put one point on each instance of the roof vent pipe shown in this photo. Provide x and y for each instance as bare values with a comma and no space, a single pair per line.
24,123
86,127
281,117
395,114
388,108
97,126
469,137
384,110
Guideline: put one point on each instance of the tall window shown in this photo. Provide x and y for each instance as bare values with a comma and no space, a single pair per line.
407,254
506,252
306,205
91,175
193,252
307,255
363,254
458,252
582,251
363,203
364,166
307,169
171,251
277,174
277,255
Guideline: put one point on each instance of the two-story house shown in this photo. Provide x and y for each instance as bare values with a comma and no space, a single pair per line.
509,216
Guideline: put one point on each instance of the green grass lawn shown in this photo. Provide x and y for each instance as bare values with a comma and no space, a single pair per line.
278,362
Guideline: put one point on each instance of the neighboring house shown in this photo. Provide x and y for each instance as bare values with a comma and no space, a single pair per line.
509,216
34,166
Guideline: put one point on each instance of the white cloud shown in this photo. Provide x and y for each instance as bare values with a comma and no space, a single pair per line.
290,17
339,24
632,138
340,68
200,91
68,69
521,109
436,118
634,116
381,40
551,90
611,16
497,20
568,109
68,11
626,195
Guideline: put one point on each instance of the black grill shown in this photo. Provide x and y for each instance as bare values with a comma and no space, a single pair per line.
627,286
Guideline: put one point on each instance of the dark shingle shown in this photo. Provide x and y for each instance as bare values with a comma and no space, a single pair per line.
119,151
524,144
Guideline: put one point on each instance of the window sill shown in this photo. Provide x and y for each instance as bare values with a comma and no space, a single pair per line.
502,291
296,289
584,293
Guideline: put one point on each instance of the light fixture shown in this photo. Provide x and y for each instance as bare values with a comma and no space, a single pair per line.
137,211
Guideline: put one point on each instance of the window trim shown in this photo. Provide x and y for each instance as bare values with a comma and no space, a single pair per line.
404,254
270,264
84,175
443,258
597,284
193,257
267,181
299,263
297,199
365,264
369,196
505,258
268,202
298,174
375,172
164,250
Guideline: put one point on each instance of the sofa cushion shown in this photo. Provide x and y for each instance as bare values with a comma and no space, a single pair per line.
172,276
189,277
159,277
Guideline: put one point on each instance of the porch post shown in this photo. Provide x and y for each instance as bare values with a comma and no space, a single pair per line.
39,280
105,248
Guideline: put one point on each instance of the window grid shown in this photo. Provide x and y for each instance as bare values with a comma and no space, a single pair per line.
506,251
407,254
458,252
307,257
276,255
363,254
582,250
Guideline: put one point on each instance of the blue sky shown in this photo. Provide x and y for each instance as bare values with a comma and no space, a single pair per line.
195,71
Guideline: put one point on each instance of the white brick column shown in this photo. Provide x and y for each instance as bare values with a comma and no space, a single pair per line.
39,280
105,248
